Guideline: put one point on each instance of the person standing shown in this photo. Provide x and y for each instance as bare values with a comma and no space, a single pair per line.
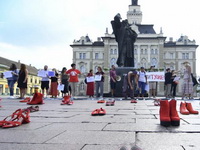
73,78
99,84
130,84
173,84
152,84
142,81
22,80
54,85
64,80
113,76
90,85
12,80
45,82
168,82
187,87
195,84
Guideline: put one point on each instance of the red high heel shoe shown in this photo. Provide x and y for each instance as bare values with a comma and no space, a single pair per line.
26,100
37,99
22,117
10,118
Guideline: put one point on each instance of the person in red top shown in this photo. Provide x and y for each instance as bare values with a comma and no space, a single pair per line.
73,78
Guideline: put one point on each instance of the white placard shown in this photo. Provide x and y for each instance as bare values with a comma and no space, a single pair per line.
176,78
97,77
90,79
42,73
8,74
156,76
61,87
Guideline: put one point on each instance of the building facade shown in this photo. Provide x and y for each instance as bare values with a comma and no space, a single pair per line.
150,48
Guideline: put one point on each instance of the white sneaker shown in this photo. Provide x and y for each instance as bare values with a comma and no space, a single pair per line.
11,97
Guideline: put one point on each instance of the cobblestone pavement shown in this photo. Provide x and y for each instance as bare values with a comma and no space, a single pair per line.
71,127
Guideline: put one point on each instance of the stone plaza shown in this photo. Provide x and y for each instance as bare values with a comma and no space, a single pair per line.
71,127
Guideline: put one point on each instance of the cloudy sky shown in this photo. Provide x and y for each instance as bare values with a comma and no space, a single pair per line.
40,32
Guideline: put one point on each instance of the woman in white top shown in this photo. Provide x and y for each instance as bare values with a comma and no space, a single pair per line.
142,81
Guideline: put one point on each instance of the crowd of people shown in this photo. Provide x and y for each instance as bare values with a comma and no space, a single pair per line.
134,82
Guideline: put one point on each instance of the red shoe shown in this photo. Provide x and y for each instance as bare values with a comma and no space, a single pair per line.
32,108
190,109
183,109
175,119
102,111
11,117
110,103
66,98
66,101
26,100
133,101
95,112
164,113
101,101
37,99
22,117
70,103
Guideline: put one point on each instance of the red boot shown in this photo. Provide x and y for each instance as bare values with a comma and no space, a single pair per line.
37,99
175,119
66,100
183,109
165,113
190,109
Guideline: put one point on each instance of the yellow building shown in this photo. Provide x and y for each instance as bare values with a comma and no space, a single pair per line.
33,79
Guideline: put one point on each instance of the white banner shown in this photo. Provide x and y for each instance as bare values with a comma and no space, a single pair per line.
156,76
97,77
7,74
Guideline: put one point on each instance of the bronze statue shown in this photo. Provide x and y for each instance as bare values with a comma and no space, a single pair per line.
125,38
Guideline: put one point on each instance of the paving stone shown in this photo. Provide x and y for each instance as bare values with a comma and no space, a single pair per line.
13,146
94,137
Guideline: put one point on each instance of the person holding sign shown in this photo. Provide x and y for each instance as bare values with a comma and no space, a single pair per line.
113,80
168,82
54,84
90,84
152,84
142,81
45,81
22,80
174,82
99,80
13,79
64,80
73,78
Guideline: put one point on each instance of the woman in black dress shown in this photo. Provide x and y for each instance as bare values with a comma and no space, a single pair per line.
64,80
22,80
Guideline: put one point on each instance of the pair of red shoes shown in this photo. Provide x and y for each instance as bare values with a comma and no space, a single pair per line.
16,119
101,101
67,101
36,100
110,103
97,112
168,113
133,101
186,109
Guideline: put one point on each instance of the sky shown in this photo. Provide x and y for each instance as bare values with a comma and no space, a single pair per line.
40,32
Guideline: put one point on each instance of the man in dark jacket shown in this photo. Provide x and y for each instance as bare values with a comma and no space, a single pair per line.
168,82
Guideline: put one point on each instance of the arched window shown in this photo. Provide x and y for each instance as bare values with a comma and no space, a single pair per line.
82,69
154,62
112,61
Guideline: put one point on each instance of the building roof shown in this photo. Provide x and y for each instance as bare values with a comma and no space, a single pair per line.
98,43
6,63
146,29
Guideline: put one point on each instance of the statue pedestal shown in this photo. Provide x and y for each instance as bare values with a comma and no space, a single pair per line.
121,71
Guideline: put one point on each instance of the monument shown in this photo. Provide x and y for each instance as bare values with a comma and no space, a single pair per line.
125,37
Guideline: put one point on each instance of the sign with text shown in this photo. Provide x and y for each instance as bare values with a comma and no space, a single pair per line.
156,76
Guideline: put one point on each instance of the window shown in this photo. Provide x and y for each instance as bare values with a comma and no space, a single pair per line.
156,51
115,51
96,55
185,55
111,51
135,51
112,61
152,51
154,62
145,51
142,52
171,55
82,69
82,55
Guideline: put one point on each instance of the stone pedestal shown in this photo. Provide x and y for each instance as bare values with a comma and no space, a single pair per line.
121,71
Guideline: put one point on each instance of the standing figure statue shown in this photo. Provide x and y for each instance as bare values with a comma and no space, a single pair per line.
125,38
134,2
